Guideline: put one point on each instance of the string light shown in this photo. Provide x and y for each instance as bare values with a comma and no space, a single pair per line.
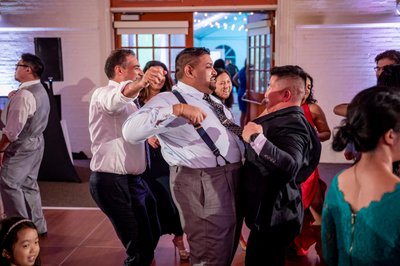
213,20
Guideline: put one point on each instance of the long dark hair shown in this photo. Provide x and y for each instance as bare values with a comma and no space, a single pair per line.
9,228
144,94
228,101
371,113
310,98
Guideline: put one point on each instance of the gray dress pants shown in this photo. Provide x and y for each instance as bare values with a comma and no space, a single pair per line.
19,188
207,200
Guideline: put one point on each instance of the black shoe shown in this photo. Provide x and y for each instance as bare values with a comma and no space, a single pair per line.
43,235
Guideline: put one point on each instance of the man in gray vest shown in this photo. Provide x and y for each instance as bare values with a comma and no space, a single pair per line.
22,143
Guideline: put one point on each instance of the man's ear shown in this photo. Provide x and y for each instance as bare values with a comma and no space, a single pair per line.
188,70
117,69
5,254
287,95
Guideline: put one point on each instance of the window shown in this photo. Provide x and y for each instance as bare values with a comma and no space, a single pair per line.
155,36
161,47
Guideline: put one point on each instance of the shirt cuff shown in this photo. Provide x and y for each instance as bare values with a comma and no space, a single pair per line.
123,97
165,116
258,143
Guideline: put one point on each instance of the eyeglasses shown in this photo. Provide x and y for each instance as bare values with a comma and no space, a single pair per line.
20,65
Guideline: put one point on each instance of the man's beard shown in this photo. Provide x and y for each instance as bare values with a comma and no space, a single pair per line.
212,86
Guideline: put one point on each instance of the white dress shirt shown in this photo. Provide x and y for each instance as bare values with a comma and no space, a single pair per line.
181,145
108,110
19,108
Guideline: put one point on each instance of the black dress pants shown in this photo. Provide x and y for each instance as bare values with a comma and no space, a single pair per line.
270,246
131,208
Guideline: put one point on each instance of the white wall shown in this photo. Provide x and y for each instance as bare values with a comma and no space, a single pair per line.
336,42
84,28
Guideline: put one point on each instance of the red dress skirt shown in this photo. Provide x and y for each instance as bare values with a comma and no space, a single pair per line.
309,189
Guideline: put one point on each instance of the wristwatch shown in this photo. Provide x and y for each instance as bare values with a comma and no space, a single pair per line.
253,137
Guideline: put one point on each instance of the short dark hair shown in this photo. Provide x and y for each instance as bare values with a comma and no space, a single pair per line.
289,71
371,113
389,54
117,57
219,63
390,76
188,56
34,63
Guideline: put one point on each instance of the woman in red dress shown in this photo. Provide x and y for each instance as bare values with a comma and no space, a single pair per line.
313,188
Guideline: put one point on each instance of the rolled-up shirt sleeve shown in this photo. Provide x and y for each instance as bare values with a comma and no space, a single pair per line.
19,110
146,122
113,101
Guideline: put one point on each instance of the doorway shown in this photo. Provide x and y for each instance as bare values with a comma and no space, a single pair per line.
229,35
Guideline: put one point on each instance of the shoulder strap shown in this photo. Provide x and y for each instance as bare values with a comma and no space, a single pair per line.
203,134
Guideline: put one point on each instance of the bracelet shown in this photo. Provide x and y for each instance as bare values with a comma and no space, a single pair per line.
181,111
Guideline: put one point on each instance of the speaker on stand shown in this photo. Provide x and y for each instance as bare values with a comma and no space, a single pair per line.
50,52
56,163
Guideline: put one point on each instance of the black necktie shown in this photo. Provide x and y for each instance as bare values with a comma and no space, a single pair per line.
226,122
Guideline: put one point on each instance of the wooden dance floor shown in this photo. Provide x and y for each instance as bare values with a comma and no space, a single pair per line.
85,237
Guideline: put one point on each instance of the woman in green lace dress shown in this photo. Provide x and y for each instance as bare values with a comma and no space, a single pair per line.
361,214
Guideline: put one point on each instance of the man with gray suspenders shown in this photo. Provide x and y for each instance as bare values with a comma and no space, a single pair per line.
204,169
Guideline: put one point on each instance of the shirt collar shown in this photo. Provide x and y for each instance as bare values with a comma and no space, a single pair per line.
28,83
112,83
189,89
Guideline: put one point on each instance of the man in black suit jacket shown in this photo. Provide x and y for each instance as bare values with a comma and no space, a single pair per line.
282,150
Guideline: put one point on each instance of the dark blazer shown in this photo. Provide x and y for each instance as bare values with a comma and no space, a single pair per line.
271,181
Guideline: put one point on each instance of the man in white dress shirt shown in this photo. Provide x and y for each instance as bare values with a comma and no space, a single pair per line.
206,194
22,144
116,183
